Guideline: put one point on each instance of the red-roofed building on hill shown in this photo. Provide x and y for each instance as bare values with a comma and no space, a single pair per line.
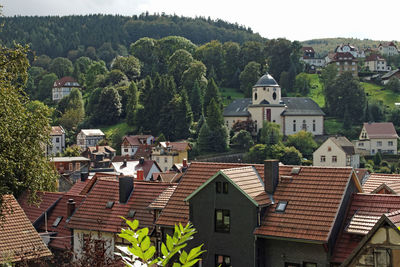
376,63
388,49
262,215
345,62
134,144
100,156
110,198
166,154
364,213
63,87
19,241
377,137
57,139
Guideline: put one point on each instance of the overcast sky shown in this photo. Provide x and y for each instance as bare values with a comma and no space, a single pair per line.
292,19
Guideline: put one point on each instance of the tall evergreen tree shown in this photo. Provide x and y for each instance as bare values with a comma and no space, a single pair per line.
218,138
212,92
132,104
196,101
109,107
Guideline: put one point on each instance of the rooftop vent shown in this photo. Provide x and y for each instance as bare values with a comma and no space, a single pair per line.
131,213
296,170
109,204
286,179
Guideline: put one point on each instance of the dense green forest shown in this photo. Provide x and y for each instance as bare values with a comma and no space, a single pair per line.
57,36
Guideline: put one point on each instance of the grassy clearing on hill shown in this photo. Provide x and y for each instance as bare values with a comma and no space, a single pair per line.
376,92
230,94
316,92
121,127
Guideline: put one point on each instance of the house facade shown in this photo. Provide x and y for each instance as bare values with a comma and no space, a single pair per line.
63,87
57,138
166,154
376,63
391,74
388,49
89,137
377,137
336,152
310,59
132,168
71,166
293,114
347,48
100,156
345,62
131,144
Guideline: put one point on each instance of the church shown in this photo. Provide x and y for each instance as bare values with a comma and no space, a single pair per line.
293,114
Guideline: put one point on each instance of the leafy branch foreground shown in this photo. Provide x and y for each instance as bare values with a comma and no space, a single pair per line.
141,253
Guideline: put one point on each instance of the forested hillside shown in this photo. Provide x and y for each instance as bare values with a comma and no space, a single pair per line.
323,46
57,36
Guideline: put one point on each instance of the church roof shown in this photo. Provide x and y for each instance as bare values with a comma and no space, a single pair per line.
301,106
238,108
266,80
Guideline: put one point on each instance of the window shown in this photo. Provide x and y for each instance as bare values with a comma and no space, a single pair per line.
225,187
218,187
109,204
58,140
304,126
309,264
294,125
329,148
274,96
57,221
334,159
78,166
382,257
70,168
125,150
323,158
255,96
361,144
313,126
131,213
379,143
222,221
165,159
222,260
281,206
390,143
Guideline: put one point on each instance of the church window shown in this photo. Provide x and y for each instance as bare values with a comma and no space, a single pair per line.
255,96
294,125
304,126
274,96
313,125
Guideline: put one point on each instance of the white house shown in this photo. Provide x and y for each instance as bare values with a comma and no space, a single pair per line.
376,63
336,152
293,114
344,48
388,49
131,168
89,137
63,87
377,137
57,138
310,59
131,144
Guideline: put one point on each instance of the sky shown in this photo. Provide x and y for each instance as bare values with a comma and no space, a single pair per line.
291,19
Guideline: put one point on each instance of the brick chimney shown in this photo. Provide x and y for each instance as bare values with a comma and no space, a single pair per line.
271,175
97,148
125,188
184,163
70,207
140,175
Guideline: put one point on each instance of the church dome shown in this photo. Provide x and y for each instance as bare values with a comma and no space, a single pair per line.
266,80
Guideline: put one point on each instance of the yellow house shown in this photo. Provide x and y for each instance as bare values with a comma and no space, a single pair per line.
166,154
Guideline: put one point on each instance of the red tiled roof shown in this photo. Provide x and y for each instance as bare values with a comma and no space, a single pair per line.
61,82
308,49
79,187
394,217
46,200
177,146
314,197
167,177
133,140
161,201
101,149
63,238
18,238
361,173
380,130
375,180
93,214
367,208
343,56
374,57
198,172
57,130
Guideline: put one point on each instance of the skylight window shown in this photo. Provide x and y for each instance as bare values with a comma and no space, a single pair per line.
281,206
131,213
109,204
57,221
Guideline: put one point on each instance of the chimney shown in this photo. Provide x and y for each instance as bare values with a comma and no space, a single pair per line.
140,175
124,163
84,176
97,148
184,163
141,160
70,207
271,175
125,188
